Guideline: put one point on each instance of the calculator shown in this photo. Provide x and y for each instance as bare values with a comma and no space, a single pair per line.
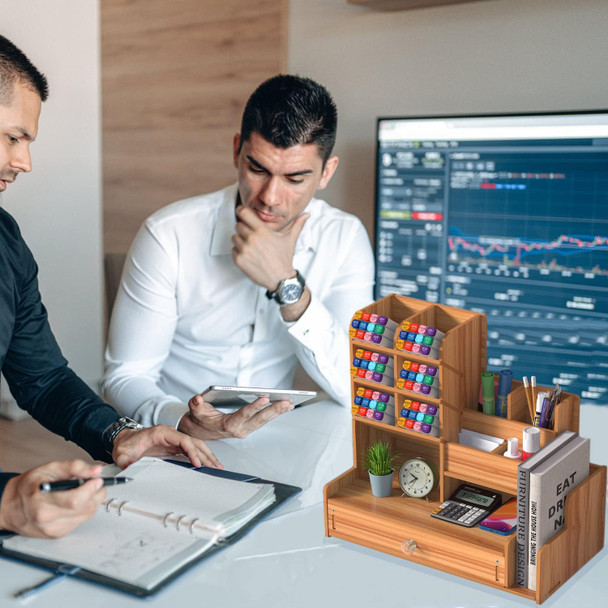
468,505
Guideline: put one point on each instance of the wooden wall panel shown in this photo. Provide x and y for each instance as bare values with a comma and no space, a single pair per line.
175,78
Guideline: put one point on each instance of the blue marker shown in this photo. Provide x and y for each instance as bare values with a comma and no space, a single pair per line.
505,379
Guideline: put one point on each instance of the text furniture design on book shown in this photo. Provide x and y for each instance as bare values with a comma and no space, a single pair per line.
402,526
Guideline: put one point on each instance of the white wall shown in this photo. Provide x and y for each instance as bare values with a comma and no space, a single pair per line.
58,205
498,56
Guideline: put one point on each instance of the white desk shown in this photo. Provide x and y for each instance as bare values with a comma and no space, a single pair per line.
286,561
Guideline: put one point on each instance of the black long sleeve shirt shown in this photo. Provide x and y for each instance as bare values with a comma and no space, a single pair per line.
30,359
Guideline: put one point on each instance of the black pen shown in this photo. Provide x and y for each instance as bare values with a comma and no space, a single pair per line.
70,484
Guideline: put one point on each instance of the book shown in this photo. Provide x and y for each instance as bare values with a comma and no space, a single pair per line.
150,530
550,482
523,486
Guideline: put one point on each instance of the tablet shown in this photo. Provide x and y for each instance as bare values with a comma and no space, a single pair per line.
238,396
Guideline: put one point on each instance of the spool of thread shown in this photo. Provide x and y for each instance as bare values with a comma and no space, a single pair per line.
513,449
531,441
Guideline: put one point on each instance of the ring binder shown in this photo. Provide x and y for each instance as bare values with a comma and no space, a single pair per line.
192,523
229,508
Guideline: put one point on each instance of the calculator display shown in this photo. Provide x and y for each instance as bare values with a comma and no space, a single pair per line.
479,499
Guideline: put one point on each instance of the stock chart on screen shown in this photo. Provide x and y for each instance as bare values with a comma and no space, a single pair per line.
505,215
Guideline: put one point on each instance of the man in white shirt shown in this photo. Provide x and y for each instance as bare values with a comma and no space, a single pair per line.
237,286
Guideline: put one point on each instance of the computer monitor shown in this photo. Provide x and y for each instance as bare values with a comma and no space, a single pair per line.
505,215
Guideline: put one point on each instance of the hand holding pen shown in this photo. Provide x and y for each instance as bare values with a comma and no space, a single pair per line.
29,512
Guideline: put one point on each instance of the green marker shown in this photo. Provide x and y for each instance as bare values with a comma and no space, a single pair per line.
487,392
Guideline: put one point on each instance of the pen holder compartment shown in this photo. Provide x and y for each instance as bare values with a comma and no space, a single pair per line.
396,307
566,415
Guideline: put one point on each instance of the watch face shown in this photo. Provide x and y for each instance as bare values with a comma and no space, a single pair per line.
291,293
416,478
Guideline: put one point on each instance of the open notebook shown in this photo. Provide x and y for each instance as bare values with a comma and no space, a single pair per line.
156,526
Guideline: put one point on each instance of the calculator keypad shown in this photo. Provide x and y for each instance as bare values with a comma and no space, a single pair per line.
459,513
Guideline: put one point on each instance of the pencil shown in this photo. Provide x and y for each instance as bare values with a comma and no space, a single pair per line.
534,395
528,391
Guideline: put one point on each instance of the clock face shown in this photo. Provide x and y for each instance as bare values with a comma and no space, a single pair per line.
416,478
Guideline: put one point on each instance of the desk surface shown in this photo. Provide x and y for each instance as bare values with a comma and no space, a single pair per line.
287,561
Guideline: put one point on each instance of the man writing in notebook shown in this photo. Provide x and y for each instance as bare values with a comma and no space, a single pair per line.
237,286
31,361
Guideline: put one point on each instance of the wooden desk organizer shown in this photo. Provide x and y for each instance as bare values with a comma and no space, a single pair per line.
401,525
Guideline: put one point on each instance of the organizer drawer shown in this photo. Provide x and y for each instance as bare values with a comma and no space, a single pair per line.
426,546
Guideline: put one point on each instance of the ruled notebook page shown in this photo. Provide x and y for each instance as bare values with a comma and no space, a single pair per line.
129,549
182,498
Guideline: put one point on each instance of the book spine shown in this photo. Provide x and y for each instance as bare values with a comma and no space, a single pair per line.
521,557
533,521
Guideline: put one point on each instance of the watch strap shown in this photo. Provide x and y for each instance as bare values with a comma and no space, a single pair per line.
112,431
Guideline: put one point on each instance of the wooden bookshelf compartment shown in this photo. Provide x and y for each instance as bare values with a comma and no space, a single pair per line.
402,526
486,469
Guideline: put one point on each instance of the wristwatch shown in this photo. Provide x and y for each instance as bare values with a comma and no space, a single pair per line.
110,433
289,291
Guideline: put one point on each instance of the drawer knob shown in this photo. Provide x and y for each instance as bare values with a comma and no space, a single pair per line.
409,546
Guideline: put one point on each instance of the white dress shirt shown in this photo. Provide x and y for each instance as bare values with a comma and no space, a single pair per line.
186,317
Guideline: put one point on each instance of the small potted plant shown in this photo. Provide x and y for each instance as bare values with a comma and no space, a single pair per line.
378,459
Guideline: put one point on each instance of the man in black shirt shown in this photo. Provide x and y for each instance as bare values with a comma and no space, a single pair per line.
31,360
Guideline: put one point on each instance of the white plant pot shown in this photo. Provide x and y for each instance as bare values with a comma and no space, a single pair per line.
382,485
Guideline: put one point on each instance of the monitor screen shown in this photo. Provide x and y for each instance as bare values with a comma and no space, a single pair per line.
508,216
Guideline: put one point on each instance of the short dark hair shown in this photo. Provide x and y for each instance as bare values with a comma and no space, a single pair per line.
16,67
288,110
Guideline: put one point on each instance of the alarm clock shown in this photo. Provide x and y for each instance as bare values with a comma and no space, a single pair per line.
417,477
